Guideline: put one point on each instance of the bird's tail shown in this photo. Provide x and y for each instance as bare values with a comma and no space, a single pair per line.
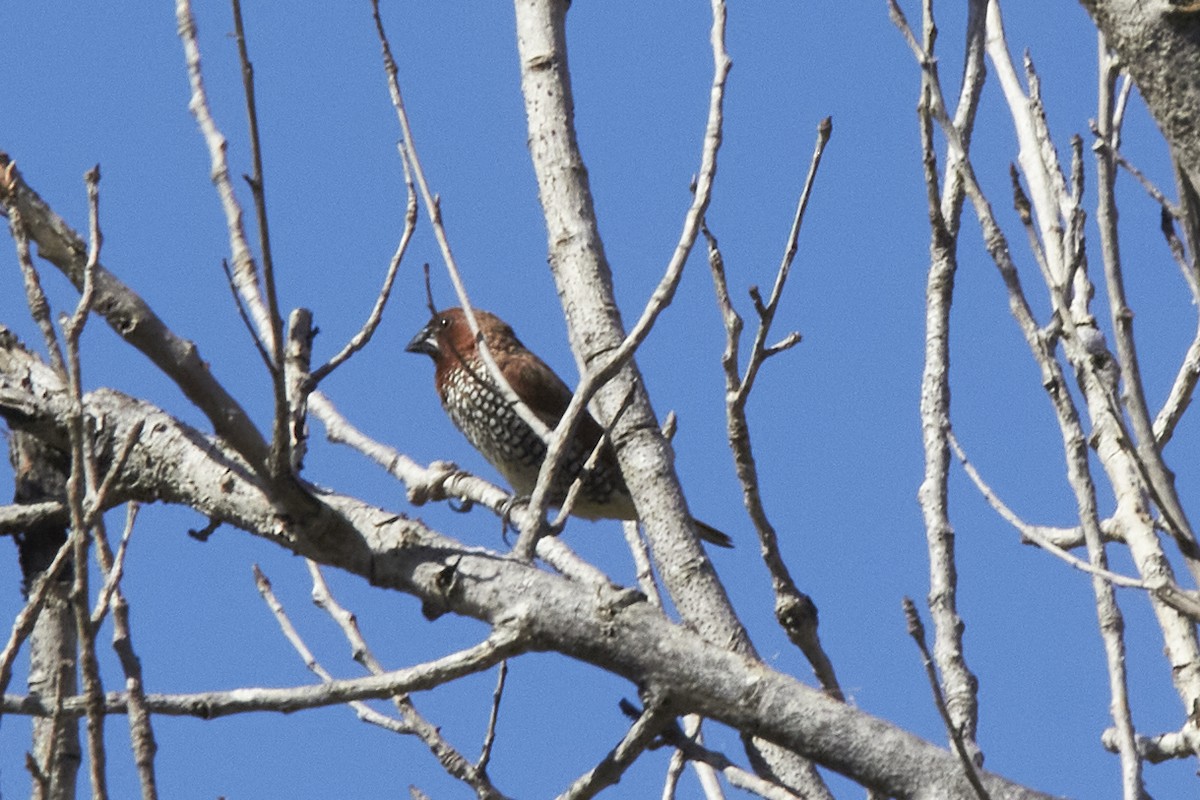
711,535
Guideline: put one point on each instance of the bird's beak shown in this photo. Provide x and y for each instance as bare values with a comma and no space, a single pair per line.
424,342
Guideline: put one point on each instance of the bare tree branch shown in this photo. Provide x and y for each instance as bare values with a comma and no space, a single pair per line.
1168,591
35,297
360,339
140,730
411,721
916,629
794,610
281,457
959,684
489,738
245,271
78,488
595,624
211,705
636,741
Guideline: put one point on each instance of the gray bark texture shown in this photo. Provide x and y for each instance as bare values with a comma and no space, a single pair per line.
41,475
1159,46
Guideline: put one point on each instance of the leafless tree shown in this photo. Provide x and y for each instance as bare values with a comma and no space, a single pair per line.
675,636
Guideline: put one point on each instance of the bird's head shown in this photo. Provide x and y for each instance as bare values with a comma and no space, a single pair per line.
447,336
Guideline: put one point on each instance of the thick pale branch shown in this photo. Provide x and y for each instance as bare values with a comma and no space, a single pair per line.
584,280
602,372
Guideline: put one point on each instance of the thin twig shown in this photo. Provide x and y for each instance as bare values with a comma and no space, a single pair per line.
281,442
27,617
1162,586
1180,396
697,753
758,350
1024,211
1179,253
116,570
240,304
917,631
245,271
364,712
640,736
489,736
78,486
1148,185
35,297
795,611
258,190
213,705
1033,532
360,339
945,202
434,209
141,731
706,773
100,499
411,720
541,493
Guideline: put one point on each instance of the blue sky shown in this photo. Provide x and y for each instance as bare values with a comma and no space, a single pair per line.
835,420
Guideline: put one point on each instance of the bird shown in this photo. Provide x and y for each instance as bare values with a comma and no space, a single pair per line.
477,407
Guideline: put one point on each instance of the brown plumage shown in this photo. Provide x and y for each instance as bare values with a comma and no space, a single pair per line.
477,407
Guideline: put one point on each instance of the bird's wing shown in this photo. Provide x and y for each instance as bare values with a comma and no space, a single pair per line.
536,384
547,395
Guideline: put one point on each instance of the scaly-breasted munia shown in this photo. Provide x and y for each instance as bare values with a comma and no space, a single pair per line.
473,402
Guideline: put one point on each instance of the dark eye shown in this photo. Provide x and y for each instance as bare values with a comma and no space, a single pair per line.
444,322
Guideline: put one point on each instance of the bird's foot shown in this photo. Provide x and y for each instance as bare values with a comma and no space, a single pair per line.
460,505
506,511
